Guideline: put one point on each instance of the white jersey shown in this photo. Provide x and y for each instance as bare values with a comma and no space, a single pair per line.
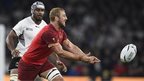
26,30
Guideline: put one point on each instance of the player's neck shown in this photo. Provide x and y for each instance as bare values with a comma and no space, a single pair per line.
57,27
36,21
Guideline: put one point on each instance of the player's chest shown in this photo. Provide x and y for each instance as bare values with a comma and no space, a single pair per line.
31,31
59,37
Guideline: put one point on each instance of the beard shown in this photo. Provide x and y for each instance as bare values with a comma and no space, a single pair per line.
60,24
37,18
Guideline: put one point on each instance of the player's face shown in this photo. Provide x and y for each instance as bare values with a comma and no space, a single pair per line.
62,19
38,14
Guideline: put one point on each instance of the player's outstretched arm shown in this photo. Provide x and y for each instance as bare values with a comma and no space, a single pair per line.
57,48
75,49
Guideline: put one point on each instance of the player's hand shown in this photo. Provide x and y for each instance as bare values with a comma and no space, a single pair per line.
93,60
90,59
15,53
61,66
88,54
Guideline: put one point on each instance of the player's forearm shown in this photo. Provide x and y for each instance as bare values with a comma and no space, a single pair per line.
57,48
53,58
76,50
69,55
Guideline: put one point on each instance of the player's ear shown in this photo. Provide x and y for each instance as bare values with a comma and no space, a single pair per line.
56,18
32,11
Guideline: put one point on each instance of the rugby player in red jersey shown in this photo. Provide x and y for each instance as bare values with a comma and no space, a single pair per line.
51,38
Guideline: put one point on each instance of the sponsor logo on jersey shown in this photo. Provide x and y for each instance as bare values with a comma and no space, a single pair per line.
29,29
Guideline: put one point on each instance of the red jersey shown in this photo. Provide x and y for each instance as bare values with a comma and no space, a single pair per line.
38,50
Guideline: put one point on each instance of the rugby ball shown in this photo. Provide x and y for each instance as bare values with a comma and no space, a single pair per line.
128,53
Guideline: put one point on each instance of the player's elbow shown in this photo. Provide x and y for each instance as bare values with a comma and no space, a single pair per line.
8,38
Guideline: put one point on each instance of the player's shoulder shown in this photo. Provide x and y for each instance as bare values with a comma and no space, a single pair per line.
24,20
48,29
48,26
45,28
44,22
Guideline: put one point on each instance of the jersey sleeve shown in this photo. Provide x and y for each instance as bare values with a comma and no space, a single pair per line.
18,28
49,38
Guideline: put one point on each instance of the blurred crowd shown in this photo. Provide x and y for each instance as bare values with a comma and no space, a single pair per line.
102,27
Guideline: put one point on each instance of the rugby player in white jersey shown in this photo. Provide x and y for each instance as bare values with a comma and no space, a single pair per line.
25,30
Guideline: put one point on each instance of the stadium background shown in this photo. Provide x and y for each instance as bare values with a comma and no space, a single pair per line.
103,27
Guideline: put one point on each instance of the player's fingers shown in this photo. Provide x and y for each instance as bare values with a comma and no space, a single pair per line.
62,65
15,53
65,69
88,54
96,60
